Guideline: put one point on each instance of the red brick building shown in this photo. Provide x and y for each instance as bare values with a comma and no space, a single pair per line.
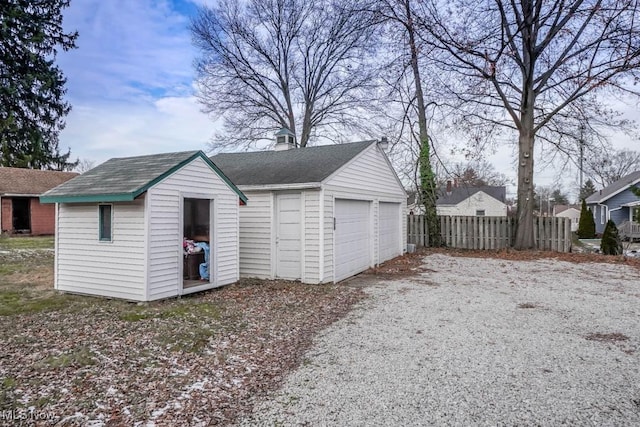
20,208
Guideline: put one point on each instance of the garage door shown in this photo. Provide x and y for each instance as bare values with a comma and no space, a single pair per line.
389,237
352,238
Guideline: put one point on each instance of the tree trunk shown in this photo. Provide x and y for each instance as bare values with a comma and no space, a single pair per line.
428,190
524,238
306,124
524,231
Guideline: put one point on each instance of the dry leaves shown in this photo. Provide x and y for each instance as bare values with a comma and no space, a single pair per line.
199,360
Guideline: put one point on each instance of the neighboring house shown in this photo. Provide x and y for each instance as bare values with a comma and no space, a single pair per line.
121,227
472,201
568,211
20,209
413,203
317,214
616,202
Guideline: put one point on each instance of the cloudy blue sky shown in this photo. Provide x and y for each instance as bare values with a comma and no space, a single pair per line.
130,80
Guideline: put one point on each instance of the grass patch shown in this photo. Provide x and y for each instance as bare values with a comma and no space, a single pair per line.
77,358
14,302
9,243
195,323
173,309
9,383
192,340
135,316
7,397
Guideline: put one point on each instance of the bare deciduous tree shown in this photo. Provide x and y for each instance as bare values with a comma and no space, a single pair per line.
268,64
477,173
538,68
608,167
405,81
84,165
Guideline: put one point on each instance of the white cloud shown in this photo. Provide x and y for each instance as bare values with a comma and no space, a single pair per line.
130,80
98,132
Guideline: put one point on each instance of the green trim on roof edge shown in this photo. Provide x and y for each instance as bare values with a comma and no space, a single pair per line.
127,197
124,197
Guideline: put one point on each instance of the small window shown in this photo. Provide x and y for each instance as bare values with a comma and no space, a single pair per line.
480,212
603,214
104,212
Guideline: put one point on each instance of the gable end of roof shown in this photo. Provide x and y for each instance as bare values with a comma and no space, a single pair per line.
614,188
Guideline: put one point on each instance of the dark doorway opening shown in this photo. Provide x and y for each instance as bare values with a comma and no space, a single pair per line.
196,232
21,215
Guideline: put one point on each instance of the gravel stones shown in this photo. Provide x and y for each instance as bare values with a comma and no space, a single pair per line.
476,341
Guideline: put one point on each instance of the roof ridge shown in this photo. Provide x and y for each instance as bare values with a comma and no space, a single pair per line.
191,152
270,150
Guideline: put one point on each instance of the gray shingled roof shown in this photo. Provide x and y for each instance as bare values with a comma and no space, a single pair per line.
295,166
615,188
458,194
125,178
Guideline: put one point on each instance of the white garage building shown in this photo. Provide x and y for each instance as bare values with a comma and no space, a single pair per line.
317,214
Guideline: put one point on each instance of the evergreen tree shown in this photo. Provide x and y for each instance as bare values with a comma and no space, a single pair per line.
587,225
32,87
559,198
611,243
587,189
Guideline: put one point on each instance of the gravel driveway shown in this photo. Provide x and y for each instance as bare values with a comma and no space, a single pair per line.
476,341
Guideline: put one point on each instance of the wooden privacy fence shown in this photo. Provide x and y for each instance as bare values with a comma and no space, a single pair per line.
490,232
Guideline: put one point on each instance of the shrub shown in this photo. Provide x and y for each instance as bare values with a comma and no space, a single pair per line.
587,225
611,243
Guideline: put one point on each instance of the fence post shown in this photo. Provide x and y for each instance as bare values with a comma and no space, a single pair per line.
427,243
567,235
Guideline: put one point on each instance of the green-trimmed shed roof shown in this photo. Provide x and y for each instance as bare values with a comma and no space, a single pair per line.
125,178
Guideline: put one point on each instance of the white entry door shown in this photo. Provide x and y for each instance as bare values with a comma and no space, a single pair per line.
389,231
352,238
288,231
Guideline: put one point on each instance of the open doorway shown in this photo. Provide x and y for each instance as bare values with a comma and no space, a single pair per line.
21,208
197,242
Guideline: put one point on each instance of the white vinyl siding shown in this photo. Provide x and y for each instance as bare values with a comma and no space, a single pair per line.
368,177
165,236
195,179
328,237
255,235
84,264
312,236
480,201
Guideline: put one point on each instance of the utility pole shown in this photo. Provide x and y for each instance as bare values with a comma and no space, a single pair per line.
581,155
